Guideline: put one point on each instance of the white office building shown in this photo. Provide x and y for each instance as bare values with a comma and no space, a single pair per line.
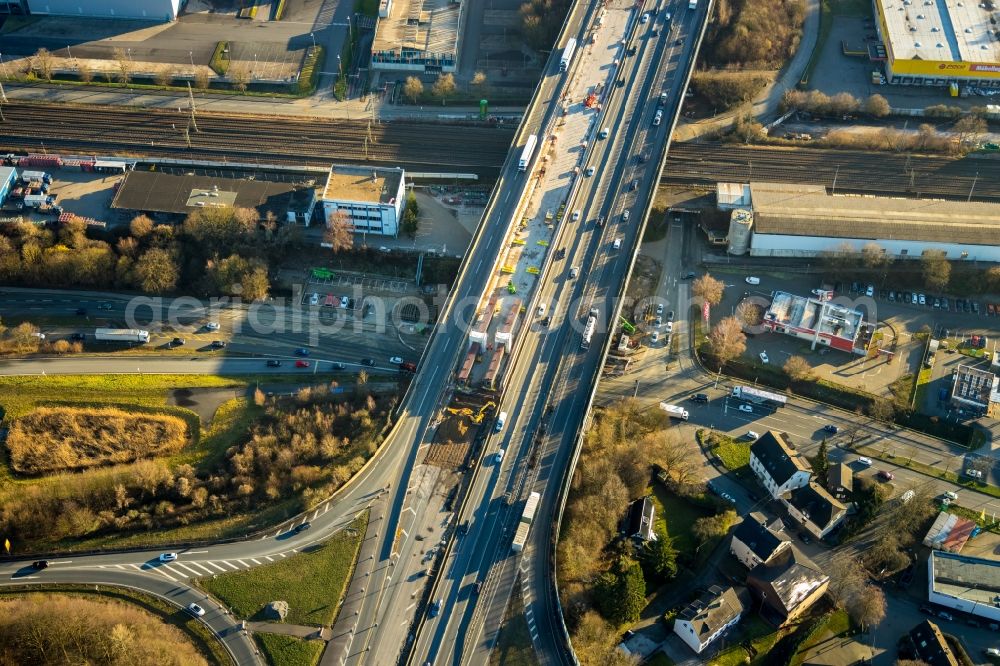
371,199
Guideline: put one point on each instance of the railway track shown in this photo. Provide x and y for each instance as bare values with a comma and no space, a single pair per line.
123,131
853,170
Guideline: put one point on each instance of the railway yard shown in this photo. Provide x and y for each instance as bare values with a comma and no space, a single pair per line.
478,149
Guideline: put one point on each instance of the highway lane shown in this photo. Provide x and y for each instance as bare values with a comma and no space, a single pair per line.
552,369
189,365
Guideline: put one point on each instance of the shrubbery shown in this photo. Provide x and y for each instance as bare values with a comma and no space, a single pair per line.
727,90
763,34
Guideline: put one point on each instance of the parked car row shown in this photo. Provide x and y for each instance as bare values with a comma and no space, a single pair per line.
332,301
917,298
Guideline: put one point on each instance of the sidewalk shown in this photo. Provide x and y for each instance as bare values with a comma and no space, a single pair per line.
297,630
321,105
768,100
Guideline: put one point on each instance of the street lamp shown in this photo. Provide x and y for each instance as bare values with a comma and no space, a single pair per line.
313,35
191,55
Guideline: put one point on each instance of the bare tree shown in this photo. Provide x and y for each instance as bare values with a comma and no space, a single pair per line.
479,80
201,79
707,288
339,231
164,76
935,269
239,75
749,313
877,106
444,87
882,409
84,72
124,64
970,129
874,256
867,606
727,340
413,88
44,62
846,577
798,369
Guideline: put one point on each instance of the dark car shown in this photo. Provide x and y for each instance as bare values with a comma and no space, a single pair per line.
670,315
104,306
40,564
688,276
82,312
885,475
546,321
303,527
218,344
830,428
370,362
805,537
78,337
274,363
177,342
302,351
561,253
699,397
634,185
975,307
435,608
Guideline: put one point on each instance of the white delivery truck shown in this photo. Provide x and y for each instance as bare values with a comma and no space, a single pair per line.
121,335
524,525
674,411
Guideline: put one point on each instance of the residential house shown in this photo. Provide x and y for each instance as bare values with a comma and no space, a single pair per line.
815,509
930,645
778,467
753,542
639,520
707,618
840,480
787,585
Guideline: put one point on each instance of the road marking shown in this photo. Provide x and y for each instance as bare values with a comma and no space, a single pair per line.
269,558
243,563
61,562
215,566
282,555
185,566
163,573
231,566
202,566
170,567
257,562
195,552
315,513
136,567
326,508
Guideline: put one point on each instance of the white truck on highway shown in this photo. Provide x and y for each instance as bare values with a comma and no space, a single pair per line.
567,54
588,332
121,335
674,411
759,396
692,4
524,525
527,152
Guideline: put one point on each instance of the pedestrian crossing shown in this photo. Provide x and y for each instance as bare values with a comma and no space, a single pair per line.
187,569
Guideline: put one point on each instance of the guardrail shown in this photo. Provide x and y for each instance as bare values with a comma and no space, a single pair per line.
568,478
522,130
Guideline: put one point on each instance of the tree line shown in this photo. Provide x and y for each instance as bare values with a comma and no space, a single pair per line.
752,33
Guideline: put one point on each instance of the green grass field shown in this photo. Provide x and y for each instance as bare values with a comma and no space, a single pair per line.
289,650
675,517
761,636
311,582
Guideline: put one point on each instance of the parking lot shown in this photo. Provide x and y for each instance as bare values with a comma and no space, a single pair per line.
899,320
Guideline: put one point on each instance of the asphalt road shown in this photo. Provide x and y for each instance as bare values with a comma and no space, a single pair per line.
548,390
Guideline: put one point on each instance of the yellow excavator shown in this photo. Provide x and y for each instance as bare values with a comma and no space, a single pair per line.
475,417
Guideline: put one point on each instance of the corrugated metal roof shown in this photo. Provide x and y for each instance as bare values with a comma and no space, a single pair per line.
798,210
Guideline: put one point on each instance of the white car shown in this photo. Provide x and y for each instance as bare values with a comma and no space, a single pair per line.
196,610
867,462
659,309
951,495
922,299
746,408
212,325
763,357
396,360
314,299
669,327
574,271
818,292
974,473
625,215
590,171
992,652
752,436
870,291
344,301
656,337
576,216
168,557
645,18
499,456
752,280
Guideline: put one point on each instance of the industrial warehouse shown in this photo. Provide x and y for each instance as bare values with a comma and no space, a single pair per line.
372,198
939,43
783,220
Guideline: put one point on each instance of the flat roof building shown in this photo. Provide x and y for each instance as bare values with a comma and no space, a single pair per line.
153,10
417,36
371,199
976,390
822,323
967,584
164,194
939,42
806,221
8,178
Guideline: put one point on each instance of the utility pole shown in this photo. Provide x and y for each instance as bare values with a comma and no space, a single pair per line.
971,189
835,176
194,121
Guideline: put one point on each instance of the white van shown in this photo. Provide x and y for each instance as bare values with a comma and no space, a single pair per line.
604,133
541,309
618,243
499,457
501,420
753,280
